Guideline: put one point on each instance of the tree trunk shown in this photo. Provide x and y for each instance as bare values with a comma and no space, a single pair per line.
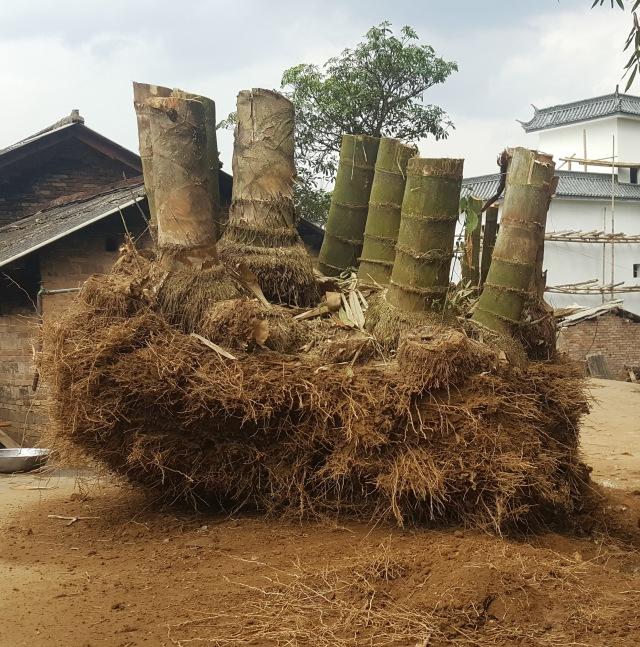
528,191
344,232
470,261
385,203
262,226
424,250
488,241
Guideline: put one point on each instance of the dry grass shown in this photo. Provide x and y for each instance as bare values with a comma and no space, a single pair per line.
388,596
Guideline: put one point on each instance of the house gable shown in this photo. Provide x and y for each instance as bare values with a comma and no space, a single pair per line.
66,159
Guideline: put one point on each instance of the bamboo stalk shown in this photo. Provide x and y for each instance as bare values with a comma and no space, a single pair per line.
528,190
261,232
181,179
213,158
142,92
344,232
385,204
424,249
488,241
179,152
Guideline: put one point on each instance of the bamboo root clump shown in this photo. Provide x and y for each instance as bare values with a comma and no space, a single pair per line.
443,432
178,374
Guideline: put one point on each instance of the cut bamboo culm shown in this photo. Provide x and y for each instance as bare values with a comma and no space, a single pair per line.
528,192
344,232
424,249
213,158
385,204
142,92
180,177
488,241
470,261
262,227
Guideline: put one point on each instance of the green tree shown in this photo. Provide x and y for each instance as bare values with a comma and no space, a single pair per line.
374,89
377,88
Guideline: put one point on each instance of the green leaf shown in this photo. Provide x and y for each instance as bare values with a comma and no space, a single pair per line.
471,222
633,76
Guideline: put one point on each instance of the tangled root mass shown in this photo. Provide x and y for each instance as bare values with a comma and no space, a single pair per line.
440,430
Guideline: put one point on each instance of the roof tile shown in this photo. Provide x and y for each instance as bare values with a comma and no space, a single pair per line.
28,234
585,110
571,184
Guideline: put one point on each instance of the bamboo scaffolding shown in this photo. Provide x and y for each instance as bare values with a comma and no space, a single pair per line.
576,236
592,286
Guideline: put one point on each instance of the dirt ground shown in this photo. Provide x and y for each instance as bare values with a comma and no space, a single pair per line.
611,434
122,575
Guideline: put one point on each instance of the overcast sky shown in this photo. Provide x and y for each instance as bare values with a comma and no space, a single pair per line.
62,54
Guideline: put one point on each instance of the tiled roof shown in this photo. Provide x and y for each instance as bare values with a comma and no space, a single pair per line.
70,126
33,232
65,122
581,314
595,108
571,184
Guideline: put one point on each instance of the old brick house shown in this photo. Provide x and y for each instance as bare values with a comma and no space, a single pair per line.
607,330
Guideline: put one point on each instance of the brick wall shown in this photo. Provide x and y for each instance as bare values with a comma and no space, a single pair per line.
63,169
617,338
18,404
63,264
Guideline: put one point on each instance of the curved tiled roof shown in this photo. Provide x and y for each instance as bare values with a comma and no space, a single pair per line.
584,110
571,184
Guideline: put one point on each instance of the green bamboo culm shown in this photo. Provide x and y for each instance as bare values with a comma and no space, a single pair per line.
488,241
528,191
470,262
385,203
420,275
344,232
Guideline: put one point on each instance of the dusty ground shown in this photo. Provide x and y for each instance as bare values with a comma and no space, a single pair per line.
611,434
126,576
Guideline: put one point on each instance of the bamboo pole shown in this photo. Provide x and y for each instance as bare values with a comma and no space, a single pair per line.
470,262
424,249
385,204
528,191
213,157
344,232
488,241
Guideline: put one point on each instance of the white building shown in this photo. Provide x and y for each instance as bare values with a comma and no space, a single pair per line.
596,130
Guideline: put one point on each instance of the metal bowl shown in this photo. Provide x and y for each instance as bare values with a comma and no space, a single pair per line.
22,460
